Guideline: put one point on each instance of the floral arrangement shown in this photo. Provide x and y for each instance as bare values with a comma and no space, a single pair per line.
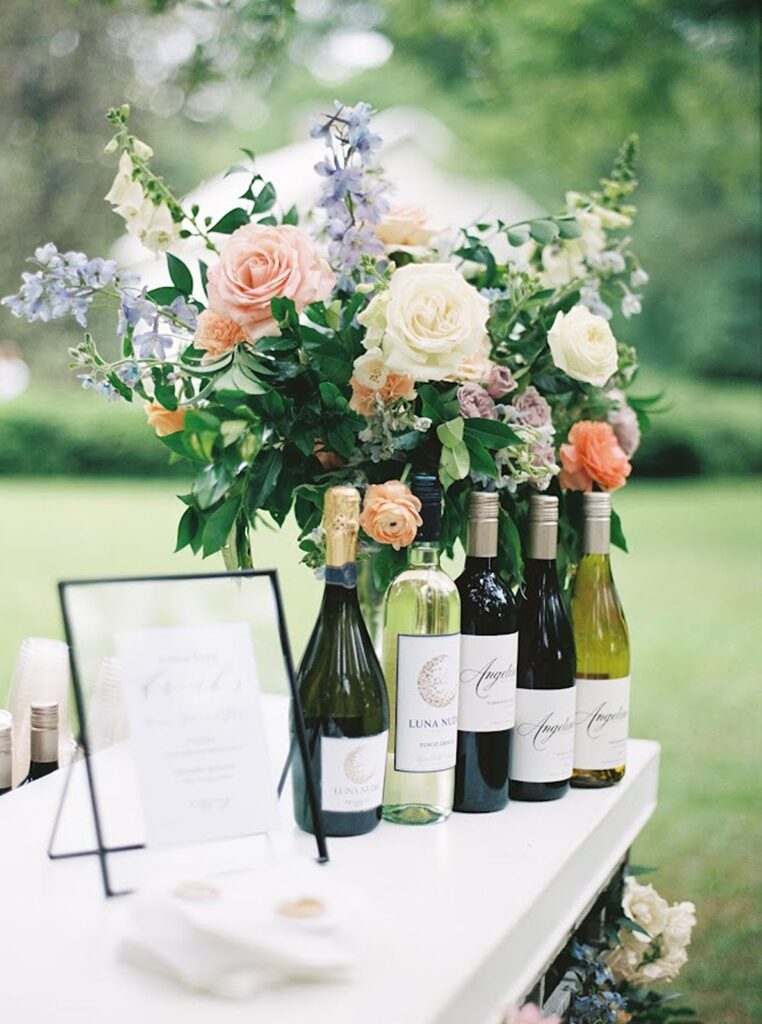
363,347
612,981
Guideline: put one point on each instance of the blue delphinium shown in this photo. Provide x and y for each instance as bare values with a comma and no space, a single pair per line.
353,194
595,999
65,284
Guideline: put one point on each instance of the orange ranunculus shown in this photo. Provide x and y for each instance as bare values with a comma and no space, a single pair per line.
328,460
217,334
396,385
391,514
593,456
162,420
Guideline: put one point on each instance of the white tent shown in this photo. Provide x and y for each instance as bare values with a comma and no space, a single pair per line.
414,145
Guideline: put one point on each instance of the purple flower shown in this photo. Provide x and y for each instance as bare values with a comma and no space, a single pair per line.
500,382
474,402
153,342
129,374
184,313
625,424
532,408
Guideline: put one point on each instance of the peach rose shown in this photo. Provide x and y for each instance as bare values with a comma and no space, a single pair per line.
162,420
404,228
259,263
390,514
217,334
396,385
593,456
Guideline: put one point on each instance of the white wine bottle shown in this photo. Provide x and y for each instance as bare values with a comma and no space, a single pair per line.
603,656
44,741
6,752
342,691
421,659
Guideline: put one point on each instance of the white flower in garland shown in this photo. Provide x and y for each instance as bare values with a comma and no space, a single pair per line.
583,346
427,321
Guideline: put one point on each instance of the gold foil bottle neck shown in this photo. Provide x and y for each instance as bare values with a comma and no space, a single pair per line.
483,512
341,522
543,526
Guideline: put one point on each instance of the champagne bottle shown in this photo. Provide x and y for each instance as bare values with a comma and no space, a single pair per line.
543,738
603,656
342,691
6,752
421,657
488,657
44,741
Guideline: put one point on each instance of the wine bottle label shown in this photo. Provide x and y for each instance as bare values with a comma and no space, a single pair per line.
600,723
487,682
427,702
542,748
352,772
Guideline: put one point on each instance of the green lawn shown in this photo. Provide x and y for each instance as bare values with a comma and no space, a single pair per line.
691,590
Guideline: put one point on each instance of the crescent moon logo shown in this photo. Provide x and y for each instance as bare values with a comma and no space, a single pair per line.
356,767
433,685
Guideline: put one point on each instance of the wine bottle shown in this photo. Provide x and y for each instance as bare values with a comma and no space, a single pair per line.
603,656
342,691
6,752
421,657
44,741
488,657
543,737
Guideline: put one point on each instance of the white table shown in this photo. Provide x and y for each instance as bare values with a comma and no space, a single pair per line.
462,916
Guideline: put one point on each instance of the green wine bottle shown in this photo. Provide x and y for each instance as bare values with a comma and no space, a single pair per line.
603,656
342,691
421,657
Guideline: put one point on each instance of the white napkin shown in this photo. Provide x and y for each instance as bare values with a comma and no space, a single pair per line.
235,935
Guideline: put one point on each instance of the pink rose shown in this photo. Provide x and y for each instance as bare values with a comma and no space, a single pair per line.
532,408
475,402
259,263
500,381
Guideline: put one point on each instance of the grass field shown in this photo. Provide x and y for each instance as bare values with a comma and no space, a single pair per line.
691,590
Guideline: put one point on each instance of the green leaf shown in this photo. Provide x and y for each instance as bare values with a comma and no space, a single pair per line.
451,432
569,229
264,476
492,433
456,461
119,385
639,869
617,535
232,430
518,236
203,270
181,277
265,199
218,526
387,563
210,485
438,406
632,926
543,231
163,296
237,379
510,547
187,528
291,216
232,220
199,422
340,438
481,460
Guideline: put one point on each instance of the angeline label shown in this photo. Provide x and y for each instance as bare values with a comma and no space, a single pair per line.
542,747
601,723
487,682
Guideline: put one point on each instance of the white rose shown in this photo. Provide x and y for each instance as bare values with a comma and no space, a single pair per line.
564,261
404,228
370,369
427,321
642,903
681,918
583,346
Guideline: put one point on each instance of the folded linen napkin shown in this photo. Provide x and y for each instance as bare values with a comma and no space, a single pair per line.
235,935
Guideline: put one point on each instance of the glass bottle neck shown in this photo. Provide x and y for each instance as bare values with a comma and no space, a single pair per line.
424,553
541,574
337,596
476,563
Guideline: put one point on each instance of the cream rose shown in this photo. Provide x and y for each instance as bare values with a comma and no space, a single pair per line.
404,228
259,263
681,918
583,346
643,905
564,261
427,321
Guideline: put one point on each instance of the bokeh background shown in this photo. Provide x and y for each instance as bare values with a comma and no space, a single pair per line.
533,97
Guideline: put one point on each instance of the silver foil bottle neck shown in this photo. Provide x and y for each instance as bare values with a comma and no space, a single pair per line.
597,530
543,526
44,735
483,513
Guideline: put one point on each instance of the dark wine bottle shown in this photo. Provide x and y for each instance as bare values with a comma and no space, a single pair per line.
44,742
543,739
342,691
488,656
6,752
